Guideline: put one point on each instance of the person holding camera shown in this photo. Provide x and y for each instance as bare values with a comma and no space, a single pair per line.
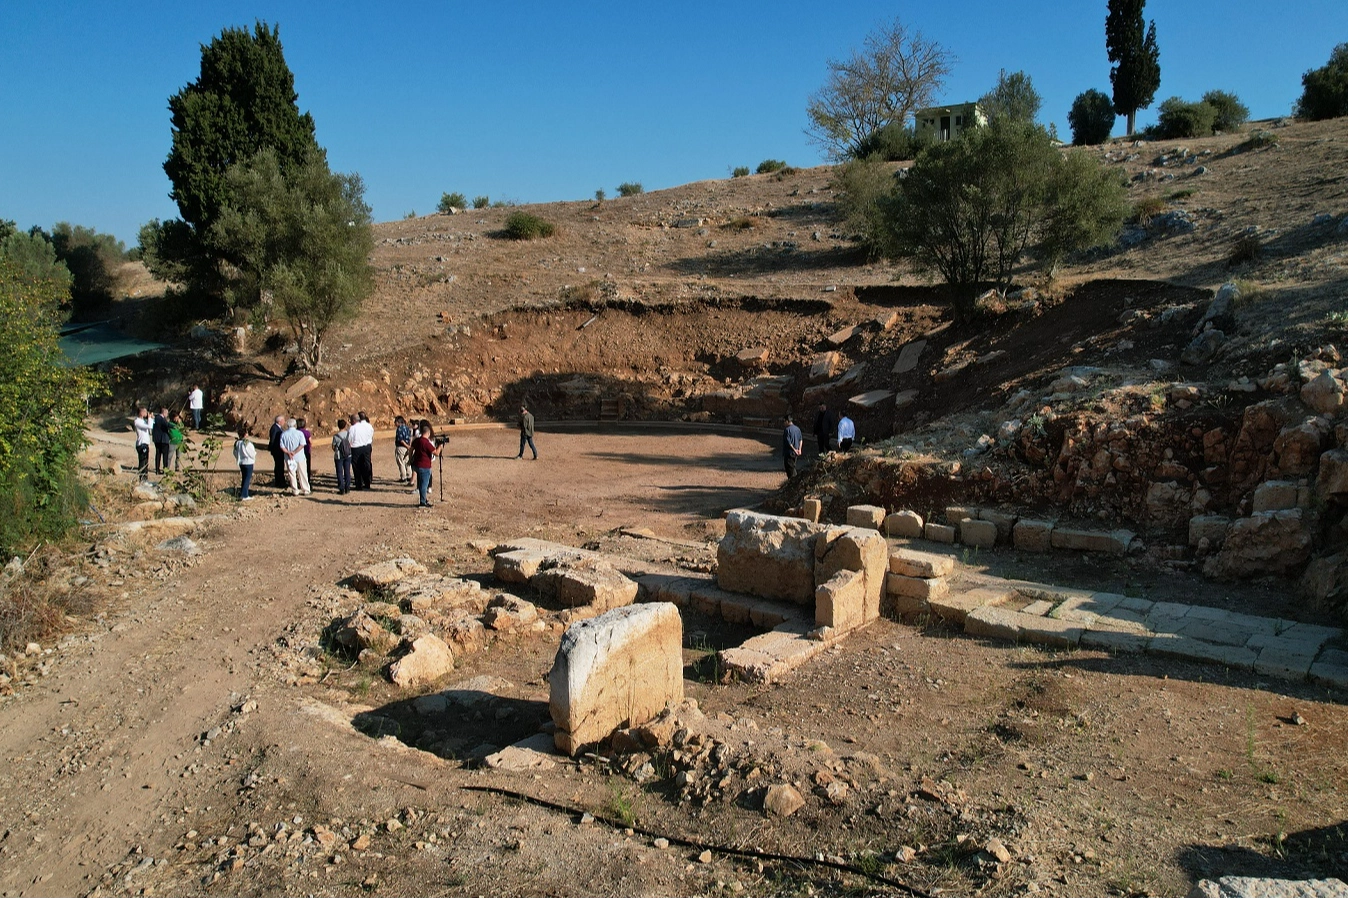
423,452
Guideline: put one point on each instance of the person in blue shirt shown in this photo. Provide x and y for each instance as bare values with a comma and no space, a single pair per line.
847,432
402,448
793,442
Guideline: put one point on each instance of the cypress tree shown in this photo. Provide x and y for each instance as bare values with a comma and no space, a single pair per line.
1136,70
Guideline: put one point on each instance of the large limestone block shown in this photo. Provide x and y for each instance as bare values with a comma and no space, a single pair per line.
384,575
617,670
1323,393
429,660
904,523
1298,447
976,532
854,549
1273,495
939,533
915,563
1116,541
866,516
840,602
1033,536
768,556
596,584
1264,543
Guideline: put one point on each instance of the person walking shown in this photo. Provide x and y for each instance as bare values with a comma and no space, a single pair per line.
297,471
246,455
196,402
526,432
144,429
847,432
361,437
793,442
402,446
423,452
341,457
162,441
278,427
823,428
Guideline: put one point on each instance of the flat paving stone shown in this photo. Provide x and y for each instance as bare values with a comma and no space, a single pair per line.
1217,631
1331,667
1115,641
1050,631
1178,646
957,606
908,356
1279,661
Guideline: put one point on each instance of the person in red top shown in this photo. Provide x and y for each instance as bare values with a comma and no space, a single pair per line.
422,452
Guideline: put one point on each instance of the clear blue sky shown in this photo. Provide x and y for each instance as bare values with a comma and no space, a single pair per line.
542,101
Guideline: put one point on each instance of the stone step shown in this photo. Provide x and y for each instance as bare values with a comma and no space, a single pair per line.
768,657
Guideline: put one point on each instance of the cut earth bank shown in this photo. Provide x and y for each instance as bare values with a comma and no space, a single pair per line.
202,739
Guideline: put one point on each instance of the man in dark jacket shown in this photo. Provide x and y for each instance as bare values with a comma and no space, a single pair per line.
792,446
163,440
278,455
823,428
526,431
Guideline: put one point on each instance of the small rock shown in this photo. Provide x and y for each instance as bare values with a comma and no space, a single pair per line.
997,849
361,843
660,843
705,857
783,800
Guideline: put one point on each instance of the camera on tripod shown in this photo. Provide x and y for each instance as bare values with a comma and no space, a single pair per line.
441,439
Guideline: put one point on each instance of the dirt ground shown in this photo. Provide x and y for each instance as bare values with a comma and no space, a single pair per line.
200,741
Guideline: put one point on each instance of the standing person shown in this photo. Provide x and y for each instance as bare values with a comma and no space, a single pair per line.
176,439
308,448
196,401
402,446
144,429
423,452
793,442
278,458
341,457
246,455
526,431
162,441
361,436
823,428
847,432
297,470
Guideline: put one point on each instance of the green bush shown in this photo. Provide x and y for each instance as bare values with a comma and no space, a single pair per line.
892,143
768,166
740,171
527,226
481,202
630,189
1231,113
1180,119
451,202
93,260
600,196
1091,117
1324,91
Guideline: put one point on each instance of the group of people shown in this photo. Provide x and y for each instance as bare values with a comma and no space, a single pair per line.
164,434
829,433
290,443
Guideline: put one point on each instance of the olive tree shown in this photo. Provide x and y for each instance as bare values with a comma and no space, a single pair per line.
896,72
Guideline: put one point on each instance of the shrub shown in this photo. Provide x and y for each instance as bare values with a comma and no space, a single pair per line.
861,186
1247,248
768,166
1230,112
1256,141
740,171
1180,119
742,223
451,202
1147,209
599,195
481,202
630,189
527,226
1324,91
892,143
1091,117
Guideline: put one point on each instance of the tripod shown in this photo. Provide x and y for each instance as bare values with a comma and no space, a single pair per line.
440,475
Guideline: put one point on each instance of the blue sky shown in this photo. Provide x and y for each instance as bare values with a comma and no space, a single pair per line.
543,101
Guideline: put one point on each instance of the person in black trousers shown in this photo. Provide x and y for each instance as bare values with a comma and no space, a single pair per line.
823,428
278,457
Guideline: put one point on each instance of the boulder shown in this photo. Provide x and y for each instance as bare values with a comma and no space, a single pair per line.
507,612
782,800
617,670
1203,348
1333,478
360,631
1323,393
1298,447
1325,583
465,635
768,556
1273,495
904,523
593,583
428,660
976,532
1264,543
1208,527
384,575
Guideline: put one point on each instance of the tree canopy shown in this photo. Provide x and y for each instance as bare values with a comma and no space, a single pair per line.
896,72
1091,117
1136,70
1324,91
1014,97
243,101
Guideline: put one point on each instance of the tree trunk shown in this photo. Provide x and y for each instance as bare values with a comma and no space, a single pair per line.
1132,120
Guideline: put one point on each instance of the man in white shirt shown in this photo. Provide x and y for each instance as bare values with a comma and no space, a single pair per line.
297,466
143,428
847,432
361,438
196,402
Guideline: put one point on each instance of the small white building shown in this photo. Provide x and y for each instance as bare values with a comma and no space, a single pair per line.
937,124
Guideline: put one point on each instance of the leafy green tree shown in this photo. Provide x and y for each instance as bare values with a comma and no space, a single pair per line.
1180,119
93,260
1091,117
1230,112
33,256
630,189
1136,70
862,188
481,201
42,406
894,74
1014,97
1324,91
450,202
242,101
302,237
970,209
892,143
